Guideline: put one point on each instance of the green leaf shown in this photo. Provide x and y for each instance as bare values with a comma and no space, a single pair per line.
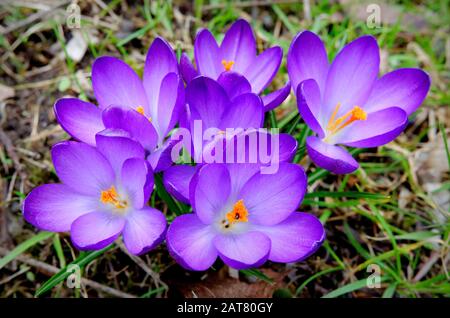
390,291
59,251
416,236
153,292
24,246
165,196
313,277
444,136
273,120
136,34
347,194
349,288
282,293
294,125
318,174
286,120
354,242
282,16
81,261
256,273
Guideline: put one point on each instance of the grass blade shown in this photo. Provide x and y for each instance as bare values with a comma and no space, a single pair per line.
286,120
349,288
347,194
256,273
81,261
390,291
273,120
165,196
282,16
313,277
442,129
59,251
24,246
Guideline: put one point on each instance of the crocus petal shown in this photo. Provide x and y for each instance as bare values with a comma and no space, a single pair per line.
187,70
161,158
80,119
274,99
405,88
351,76
307,59
190,242
264,68
207,101
245,111
177,179
330,157
308,101
170,102
185,117
96,230
239,45
211,191
139,126
117,149
234,84
136,178
288,147
257,146
243,251
271,198
294,239
378,129
144,230
53,207
286,144
207,55
115,83
82,167
160,61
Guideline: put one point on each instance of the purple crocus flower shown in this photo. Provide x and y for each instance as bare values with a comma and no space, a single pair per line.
208,103
177,179
104,193
146,109
244,217
237,55
346,103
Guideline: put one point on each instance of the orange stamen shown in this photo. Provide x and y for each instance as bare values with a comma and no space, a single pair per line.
238,214
110,196
141,111
331,121
356,113
227,64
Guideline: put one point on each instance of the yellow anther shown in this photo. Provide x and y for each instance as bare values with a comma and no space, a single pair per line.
227,65
335,125
110,196
238,214
140,110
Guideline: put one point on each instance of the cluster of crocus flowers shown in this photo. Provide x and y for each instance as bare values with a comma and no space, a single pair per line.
241,213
